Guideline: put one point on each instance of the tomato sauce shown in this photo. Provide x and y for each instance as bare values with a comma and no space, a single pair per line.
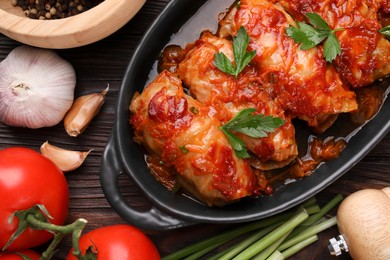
319,147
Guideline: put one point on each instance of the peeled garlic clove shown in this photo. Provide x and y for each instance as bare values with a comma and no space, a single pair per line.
66,160
36,87
83,110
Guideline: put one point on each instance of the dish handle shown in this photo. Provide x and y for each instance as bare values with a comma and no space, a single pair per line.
151,219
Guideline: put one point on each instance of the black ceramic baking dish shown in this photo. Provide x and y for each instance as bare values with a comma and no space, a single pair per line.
172,210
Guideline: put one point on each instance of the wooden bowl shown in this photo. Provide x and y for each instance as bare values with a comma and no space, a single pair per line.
78,30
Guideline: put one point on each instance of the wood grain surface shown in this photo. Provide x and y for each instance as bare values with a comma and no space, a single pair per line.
105,63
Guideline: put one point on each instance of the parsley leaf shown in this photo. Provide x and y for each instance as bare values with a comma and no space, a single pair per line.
310,35
183,149
385,31
302,36
254,125
237,144
317,21
241,56
331,47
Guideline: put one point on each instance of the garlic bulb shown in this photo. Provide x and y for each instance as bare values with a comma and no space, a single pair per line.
36,87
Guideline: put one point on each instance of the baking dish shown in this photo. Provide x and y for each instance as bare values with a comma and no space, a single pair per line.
184,19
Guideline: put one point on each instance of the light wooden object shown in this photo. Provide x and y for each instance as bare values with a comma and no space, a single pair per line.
78,30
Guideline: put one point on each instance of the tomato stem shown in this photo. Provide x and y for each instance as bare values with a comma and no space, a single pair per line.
37,217
60,232
49,252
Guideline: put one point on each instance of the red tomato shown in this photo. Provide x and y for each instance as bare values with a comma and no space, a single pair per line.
28,178
118,242
18,255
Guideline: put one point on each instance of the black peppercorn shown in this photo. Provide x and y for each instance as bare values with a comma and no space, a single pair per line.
54,9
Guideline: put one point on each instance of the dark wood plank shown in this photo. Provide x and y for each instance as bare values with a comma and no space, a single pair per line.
104,63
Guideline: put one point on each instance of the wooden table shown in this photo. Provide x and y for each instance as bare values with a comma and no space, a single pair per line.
104,63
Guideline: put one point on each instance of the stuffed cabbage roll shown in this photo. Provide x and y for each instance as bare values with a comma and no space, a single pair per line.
300,81
229,95
365,52
185,134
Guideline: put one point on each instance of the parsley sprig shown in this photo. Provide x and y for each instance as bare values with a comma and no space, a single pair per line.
241,56
310,35
385,31
254,125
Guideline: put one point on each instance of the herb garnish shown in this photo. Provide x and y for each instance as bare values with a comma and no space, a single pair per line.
183,149
311,35
194,110
254,125
241,56
385,31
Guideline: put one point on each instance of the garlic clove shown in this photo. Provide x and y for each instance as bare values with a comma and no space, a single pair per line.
66,160
36,87
83,110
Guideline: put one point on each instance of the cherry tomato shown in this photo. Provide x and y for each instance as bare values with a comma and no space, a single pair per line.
18,255
123,242
28,178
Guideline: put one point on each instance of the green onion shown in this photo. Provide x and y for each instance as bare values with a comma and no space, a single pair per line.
315,217
311,231
276,237
278,255
271,248
236,249
299,246
202,252
227,236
